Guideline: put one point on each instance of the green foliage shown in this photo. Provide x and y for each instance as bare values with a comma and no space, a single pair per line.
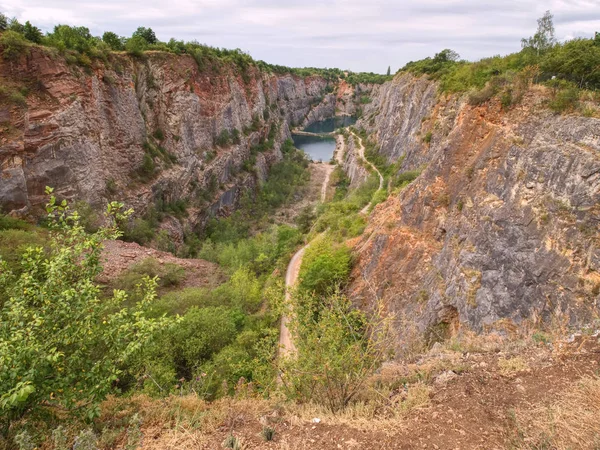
233,249
158,134
146,34
12,223
113,41
12,96
167,275
3,22
267,433
541,59
565,96
60,345
341,216
13,44
543,40
139,230
223,139
72,38
32,33
427,137
338,348
325,266
136,45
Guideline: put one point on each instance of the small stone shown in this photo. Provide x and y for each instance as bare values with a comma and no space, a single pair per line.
445,377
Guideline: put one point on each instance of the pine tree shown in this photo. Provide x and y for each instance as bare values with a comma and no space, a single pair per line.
389,71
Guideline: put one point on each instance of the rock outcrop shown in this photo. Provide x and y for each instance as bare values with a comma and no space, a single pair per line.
147,131
500,228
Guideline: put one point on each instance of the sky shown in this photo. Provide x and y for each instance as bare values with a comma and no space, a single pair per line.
359,35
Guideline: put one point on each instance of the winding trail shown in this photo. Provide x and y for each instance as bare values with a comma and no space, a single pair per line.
361,154
286,345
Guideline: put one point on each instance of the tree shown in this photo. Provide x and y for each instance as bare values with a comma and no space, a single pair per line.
3,22
113,41
73,38
389,71
136,45
544,38
147,34
62,346
446,55
597,38
32,33
15,25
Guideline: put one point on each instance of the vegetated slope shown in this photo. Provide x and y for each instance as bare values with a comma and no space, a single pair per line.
500,227
157,130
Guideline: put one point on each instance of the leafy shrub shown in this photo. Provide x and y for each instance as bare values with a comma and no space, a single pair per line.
158,134
565,96
404,178
113,41
147,34
65,37
12,223
146,170
43,367
139,230
136,45
338,348
223,139
480,96
427,137
168,274
13,44
325,266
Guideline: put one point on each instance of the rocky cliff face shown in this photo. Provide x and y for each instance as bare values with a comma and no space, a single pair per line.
146,130
500,228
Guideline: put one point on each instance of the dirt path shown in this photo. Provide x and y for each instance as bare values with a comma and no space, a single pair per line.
286,345
328,171
340,149
361,154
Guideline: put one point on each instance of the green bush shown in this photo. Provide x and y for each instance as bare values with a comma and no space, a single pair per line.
32,33
12,223
13,45
139,230
136,45
565,96
325,266
67,351
223,139
337,349
113,41
169,275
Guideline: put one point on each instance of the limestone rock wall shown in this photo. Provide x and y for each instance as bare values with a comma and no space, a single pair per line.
500,228
87,131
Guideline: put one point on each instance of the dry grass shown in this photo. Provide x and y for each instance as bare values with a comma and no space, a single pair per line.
511,366
382,411
182,422
570,423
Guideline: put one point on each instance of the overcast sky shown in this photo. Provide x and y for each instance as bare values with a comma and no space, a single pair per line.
361,35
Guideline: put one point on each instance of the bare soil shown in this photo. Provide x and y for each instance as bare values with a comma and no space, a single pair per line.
118,256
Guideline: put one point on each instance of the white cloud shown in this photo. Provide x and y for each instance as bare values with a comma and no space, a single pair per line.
354,34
